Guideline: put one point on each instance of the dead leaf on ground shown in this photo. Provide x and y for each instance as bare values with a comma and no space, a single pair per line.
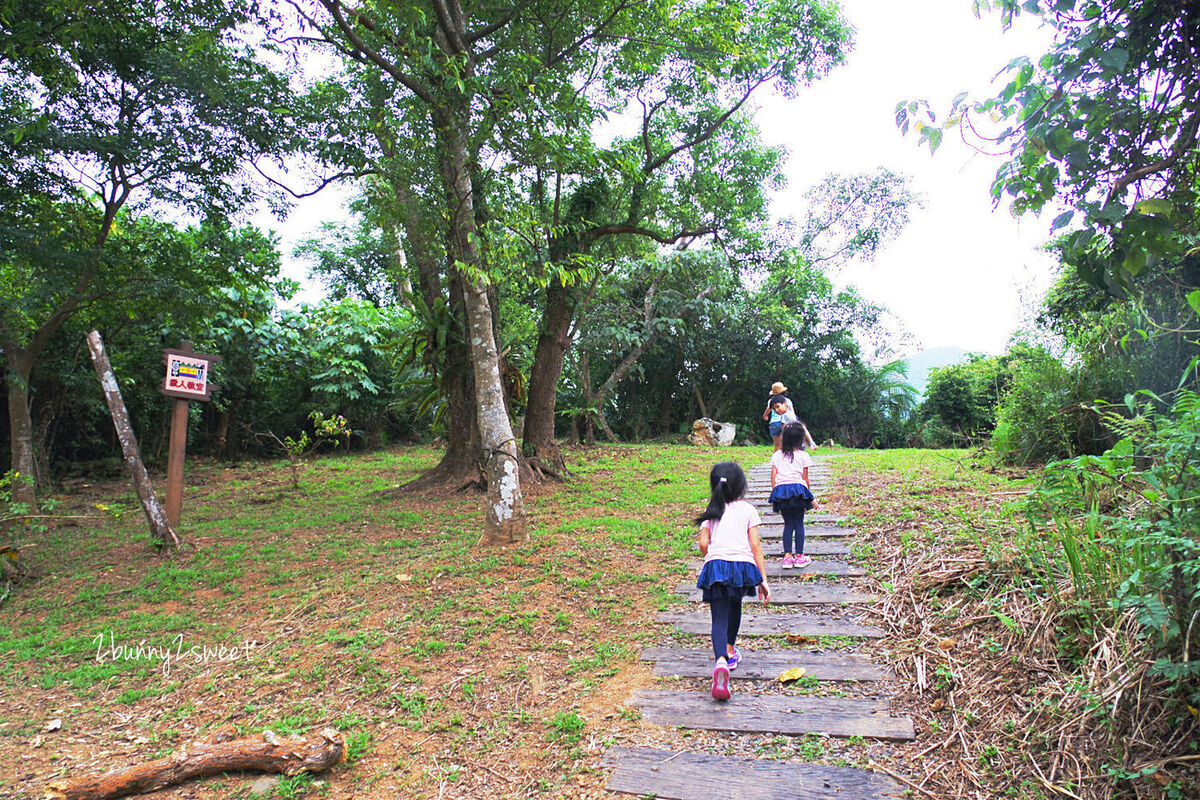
793,674
799,638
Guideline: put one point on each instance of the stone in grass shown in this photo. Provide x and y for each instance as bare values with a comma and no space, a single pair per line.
264,785
710,433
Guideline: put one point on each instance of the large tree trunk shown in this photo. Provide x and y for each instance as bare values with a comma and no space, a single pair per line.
541,449
505,521
20,363
459,467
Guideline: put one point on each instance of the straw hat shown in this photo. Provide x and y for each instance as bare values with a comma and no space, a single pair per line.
778,388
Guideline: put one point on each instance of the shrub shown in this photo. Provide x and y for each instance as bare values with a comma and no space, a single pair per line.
1126,524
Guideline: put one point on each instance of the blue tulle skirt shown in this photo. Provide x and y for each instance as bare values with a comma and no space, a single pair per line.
722,580
791,496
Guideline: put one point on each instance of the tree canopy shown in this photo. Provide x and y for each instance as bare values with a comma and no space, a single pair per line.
1105,123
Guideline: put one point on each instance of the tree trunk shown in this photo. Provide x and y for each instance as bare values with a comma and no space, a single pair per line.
539,445
700,401
459,467
505,521
24,486
159,526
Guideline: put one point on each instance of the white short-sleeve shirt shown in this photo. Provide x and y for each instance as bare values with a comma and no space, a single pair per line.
791,470
729,536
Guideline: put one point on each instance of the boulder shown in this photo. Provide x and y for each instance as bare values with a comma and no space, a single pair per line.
710,433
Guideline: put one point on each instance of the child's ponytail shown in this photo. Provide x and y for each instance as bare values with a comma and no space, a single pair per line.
728,483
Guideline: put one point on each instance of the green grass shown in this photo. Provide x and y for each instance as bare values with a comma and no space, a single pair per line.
365,608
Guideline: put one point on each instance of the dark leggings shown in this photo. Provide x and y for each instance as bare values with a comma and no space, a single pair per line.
726,619
793,523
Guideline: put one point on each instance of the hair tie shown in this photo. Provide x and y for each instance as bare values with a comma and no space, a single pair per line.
722,480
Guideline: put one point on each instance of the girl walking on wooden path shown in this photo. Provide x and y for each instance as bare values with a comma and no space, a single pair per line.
790,495
733,566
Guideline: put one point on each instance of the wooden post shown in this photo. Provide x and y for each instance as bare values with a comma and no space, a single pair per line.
175,459
186,378
159,526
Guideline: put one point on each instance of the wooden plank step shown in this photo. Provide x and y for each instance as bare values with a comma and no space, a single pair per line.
775,531
672,775
764,624
815,567
817,547
767,665
770,517
773,714
798,594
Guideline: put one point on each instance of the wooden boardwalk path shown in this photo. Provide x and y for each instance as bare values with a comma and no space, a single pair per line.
802,610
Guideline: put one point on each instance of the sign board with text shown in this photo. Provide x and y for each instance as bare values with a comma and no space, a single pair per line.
188,375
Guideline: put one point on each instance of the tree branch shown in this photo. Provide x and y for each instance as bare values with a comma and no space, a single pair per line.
335,10
1187,136
619,228
324,182
488,30
708,133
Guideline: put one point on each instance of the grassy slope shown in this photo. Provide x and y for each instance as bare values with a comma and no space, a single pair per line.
461,673
453,672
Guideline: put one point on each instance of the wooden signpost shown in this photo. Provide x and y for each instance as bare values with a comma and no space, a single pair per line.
187,378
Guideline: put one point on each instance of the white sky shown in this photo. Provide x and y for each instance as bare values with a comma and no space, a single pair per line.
961,273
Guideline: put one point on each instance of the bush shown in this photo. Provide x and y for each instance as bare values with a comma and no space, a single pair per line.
1047,412
960,402
1124,528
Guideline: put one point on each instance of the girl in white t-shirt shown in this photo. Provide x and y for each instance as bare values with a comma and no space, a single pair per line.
733,566
790,495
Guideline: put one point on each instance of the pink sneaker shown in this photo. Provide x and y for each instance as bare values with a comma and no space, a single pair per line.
720,684
801,561
789,561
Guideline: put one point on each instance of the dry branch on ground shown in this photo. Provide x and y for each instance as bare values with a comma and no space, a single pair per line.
265,753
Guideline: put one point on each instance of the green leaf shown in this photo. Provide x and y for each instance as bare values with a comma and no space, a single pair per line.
1062,220
1116,58
1193,299
1135,261
1081,239
1113,212
1005,620
1155,205
1122,449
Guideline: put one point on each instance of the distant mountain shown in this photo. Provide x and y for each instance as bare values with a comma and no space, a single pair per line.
924,362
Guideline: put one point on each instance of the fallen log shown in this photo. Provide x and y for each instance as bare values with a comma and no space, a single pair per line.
265,753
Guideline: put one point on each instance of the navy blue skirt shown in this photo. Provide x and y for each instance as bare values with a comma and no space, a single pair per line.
791,496
722,580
